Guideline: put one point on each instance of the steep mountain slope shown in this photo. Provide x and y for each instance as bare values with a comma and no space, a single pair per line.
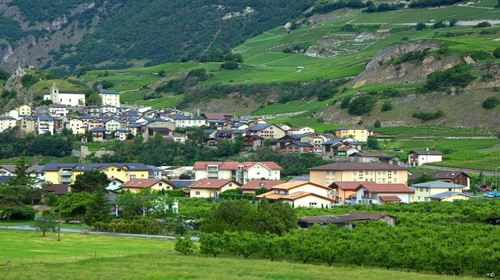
127,32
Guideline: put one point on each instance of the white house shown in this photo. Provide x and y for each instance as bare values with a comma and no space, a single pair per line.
181,120
424,191
110,98
112,125
300,194
65,98
58,110
76,126
240,172
46,124
373,193
418,158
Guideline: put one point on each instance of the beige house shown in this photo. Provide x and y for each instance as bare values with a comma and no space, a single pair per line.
27,125
449,197
110,98
252,186
300,194
24,110
6,123
210,188
76,126
266,131
240,172
425,191
137,185
360,135
358,172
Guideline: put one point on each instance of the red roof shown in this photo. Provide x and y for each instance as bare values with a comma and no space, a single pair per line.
389,198
385,188
141,183
210,184
257,184
345,185
234,165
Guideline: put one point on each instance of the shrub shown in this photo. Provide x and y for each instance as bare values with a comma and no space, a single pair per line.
478,55
345,102
439,24
458,75
496,52
377,124
427,116
211,244
230,65
372,143
184,245
387,106
483,24
420,26
362,105
490,102
452,22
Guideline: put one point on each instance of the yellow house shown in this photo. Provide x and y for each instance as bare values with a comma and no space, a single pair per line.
24,110
449,196
360,135
63,173
379,173
137,185
207,188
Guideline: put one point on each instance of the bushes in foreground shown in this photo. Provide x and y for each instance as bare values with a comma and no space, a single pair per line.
443,248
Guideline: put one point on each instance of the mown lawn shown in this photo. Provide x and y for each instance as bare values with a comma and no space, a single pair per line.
74,258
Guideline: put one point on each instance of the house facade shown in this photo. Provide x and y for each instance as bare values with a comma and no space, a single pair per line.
424,191
110,98
360,135
139,184
7,123
210,188
73,99
240,172
300,194
358,172
373,193
418,158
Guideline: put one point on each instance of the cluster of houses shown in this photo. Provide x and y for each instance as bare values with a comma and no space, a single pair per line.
325,186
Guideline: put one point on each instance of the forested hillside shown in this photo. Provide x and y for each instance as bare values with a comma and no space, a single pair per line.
128,32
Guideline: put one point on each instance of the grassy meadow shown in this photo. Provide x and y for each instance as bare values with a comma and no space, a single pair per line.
91,257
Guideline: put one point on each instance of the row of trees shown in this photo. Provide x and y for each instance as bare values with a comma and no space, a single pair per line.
14,144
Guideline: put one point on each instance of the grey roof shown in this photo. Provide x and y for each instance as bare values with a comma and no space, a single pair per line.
45,118
259,127
445,195
105,91
98,129
437,185
302,144
300,178
184,117
180,183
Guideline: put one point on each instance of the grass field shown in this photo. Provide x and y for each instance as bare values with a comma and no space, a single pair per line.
91,257
42,160
430,131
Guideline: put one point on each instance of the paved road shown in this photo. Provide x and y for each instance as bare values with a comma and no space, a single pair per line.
472,171
70,230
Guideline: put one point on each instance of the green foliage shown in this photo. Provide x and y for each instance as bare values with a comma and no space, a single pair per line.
142,225
240,215
236,57
74,205
496,52
98,209
45,221
427,116
90,181
483,24
377,124
184,245
432,225
211,244
4,75
387,106
383,7
458,75
439,24
28,80
420,26
490,102
40,10
13,203
230,65
10,30
372,143
421,179
431,3
362,105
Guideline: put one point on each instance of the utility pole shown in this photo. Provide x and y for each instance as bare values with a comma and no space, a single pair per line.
59,225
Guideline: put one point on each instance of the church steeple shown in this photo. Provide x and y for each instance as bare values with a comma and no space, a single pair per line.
54,93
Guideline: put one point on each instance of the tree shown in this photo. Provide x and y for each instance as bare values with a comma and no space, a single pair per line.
74,205
421,179
230,65
420,26
377,124
98,209
184,245
362,105
12,203
490,102
45,221
483,24
372,143
90,181
453,22
387,106
496,52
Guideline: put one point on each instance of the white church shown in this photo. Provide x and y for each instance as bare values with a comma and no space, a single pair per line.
65,98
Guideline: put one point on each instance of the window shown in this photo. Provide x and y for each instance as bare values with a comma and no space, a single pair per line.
312,203
197,193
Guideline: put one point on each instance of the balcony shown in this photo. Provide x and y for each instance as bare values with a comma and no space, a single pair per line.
65,173
65,180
